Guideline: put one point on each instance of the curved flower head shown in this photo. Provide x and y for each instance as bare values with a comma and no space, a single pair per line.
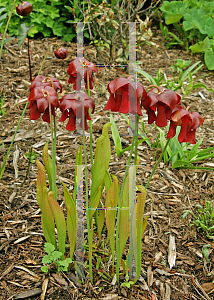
39,104
119,90
24,9
42,81
159,105
71,106
75,70
189,122
61,53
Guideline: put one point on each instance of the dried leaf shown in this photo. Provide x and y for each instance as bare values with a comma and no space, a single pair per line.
60,280
15,161
44,288
171,252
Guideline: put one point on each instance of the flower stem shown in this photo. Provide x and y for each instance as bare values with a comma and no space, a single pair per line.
2,42
90,124
46,56
90,236
28,48
155,166
53,146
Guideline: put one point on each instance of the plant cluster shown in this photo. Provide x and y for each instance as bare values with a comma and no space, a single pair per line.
162,105
48,17
109,29
203,218
186,16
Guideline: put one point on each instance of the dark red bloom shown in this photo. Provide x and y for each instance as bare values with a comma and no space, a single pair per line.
164,101
189,122
24,9
71,105
39,104
42,81
75,70
61,53
119,90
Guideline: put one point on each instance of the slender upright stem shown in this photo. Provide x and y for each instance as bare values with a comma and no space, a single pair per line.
2,42
46,56
28,48
86,193
155,166
90,124
53,142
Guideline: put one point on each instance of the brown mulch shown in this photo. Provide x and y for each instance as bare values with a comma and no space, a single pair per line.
171,191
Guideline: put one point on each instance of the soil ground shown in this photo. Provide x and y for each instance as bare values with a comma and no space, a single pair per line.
171,191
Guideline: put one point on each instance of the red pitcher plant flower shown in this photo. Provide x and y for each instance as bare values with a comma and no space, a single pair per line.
61,53
75,70
189,122
39,102
119,96
42,81
71,105
24,8
159,104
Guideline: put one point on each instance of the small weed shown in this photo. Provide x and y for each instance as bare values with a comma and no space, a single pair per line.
2,98
203,219
54,257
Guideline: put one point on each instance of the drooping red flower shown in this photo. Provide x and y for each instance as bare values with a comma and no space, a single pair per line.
24,9
120,89
189,122
39,104
159,105
61,53
71,105
42,81
75,70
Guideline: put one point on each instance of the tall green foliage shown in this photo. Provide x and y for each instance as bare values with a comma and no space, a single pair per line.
195,19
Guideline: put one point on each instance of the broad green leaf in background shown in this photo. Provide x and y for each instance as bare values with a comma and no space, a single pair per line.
209,59
22,33
59,220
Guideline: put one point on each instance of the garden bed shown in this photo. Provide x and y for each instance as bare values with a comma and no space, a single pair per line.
171,191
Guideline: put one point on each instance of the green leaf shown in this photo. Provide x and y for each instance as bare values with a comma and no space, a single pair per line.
139,223
22,33
46,259
201,47
48,225
71,219
56,255
41,183
209,59
116,136
60,221
48,165
53,12
111,202
44,269
101,161
49,248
